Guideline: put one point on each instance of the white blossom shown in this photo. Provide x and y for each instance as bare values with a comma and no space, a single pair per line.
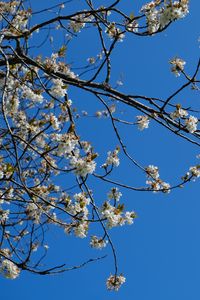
81,229
113,158
152,171
132,26
83,166
5,252
129,217
157,16
195,171
86,146
28,93
154,185
174,11
191,124
114,215
114,194
179,113
1,174
78,22
114,282
4,215
9,270
97,242
67,143
143,122
33,212
6,7
114,32
81,197
177,65
166,187
20,21
58,90
54,122
154,181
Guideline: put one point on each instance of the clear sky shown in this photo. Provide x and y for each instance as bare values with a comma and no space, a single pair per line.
160,254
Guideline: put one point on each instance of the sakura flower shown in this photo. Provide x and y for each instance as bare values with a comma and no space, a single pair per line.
173,11
157,16
9,270
195,171
58,90
114,282
33,212
166,187
177,65
129,217
113,158
67,143
81,229
179,113
83,166
152,171
30,94
97,243
54,122
143,122
132,26
1,174
191,124
114,32
4,215
113,215
114,194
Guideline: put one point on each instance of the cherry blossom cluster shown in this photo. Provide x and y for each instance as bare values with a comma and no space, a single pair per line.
18,18
195,171
178,113
115,216
177,65
112,158
48,165
114,194
154,181
83,165
97,242
8,269
143,122
114,282
8,7
54,64
132,26
191,122
114,32
78,22
158,17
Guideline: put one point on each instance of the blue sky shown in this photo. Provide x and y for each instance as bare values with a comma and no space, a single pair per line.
159,254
